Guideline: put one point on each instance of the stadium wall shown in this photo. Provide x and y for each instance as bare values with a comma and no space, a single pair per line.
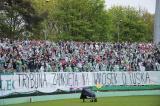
14,86
50,82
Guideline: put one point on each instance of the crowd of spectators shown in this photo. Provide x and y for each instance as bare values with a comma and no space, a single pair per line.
71,56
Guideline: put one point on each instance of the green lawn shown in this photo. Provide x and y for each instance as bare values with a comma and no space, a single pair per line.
108,101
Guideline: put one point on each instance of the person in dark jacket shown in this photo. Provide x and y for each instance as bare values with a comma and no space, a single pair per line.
88,94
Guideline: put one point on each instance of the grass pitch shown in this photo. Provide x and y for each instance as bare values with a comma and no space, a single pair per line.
107,101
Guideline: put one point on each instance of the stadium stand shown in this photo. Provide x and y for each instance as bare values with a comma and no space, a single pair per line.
71,56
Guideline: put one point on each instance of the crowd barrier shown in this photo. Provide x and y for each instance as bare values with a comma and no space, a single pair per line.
51,82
